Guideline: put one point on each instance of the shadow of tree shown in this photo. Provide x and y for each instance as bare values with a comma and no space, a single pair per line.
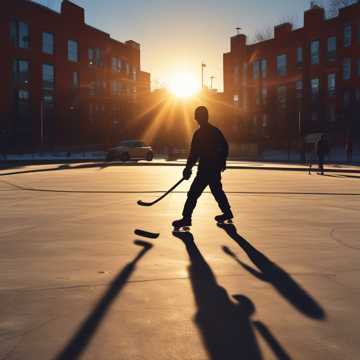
275,275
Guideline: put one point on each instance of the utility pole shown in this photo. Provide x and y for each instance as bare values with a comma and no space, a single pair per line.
203,66
211,81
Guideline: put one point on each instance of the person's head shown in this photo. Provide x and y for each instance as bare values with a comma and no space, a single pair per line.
202,115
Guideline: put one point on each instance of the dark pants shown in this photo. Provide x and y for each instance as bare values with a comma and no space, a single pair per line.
201,181
321,162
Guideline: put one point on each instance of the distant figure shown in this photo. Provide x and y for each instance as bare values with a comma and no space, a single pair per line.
210,147
322,149
349,149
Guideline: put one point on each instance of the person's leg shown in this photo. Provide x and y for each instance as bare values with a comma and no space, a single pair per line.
219,195
196,189
321,164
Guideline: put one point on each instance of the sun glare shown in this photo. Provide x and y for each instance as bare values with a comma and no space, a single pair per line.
183,85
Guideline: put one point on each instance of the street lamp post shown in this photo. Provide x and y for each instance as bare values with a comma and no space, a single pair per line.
211,81
203,66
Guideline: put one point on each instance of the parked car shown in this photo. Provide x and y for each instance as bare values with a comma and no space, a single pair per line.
130,150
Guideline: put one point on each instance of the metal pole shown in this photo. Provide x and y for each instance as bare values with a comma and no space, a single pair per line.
211,81
202,74
42,123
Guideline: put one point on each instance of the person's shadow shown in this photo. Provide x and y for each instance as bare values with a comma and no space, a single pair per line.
275,275
82,337
226,327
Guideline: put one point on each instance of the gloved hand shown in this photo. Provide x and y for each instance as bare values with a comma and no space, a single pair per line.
187,174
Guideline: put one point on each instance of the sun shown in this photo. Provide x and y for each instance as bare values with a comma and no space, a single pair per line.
183,85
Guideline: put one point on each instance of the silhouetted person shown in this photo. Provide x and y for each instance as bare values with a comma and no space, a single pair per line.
211,149
349,149
322,149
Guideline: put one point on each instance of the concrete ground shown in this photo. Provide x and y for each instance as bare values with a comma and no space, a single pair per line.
76,282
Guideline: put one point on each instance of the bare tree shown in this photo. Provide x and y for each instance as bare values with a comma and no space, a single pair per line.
266,33
333,6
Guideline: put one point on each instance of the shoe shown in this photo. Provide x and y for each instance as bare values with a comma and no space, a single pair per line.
184,222
224,217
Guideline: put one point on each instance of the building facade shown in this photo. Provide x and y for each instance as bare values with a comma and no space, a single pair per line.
301,81
63,82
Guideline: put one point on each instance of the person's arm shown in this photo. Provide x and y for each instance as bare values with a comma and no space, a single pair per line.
192,158
224,149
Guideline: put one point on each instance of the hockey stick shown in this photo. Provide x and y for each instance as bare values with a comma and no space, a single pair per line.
144,203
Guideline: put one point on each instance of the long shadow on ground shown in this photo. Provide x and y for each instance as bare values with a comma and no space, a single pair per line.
87,329
275,275
226,327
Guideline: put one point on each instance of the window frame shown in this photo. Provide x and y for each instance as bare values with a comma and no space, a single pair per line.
313,54
70,51
44,43
281,69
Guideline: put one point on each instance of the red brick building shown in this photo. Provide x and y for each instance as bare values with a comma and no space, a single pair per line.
301,81
63,82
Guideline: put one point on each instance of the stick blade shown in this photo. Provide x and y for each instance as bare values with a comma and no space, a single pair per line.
142,203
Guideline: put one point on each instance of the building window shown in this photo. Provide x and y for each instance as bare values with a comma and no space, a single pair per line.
264,93
134,73
331,84
91,56
347,35
263,68
19,32
23,95
21,71
281,65
95,57
264,120
257,97
48,43
119,65
48,76
331,48
299,89
347,69
75,80
113,87
281,95
127,69
114,64
73,51
236,99
315,52
299,55
315,88
256,69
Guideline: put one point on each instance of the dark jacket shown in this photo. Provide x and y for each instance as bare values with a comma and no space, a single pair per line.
322,147
210,147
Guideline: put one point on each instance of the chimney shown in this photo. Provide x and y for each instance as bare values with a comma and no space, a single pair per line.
282,31
72,12
314,16
238,44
